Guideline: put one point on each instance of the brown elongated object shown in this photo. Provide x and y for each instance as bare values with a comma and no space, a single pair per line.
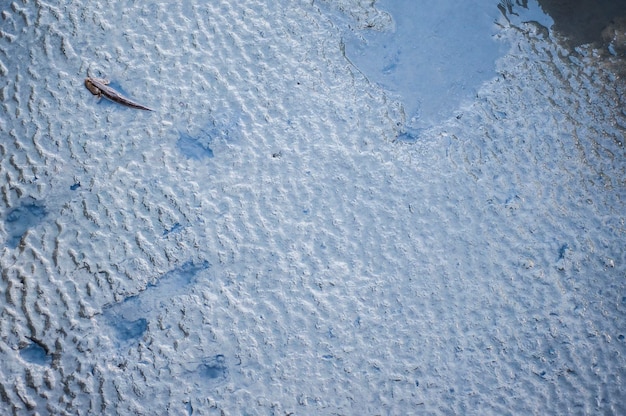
99,87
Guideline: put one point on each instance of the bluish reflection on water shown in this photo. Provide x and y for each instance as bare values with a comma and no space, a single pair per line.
36,354
426,73
21,219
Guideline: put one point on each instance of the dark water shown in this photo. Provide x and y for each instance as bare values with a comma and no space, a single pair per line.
583,21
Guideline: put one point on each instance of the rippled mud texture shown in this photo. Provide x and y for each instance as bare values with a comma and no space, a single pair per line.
315,264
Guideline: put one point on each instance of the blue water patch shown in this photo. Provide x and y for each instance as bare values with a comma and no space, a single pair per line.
214,368
127,330
425,73
36,354
407,137
173,229
175,281
194,148
198,145
129,319
21,219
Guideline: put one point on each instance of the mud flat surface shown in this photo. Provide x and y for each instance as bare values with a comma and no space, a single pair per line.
280,236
